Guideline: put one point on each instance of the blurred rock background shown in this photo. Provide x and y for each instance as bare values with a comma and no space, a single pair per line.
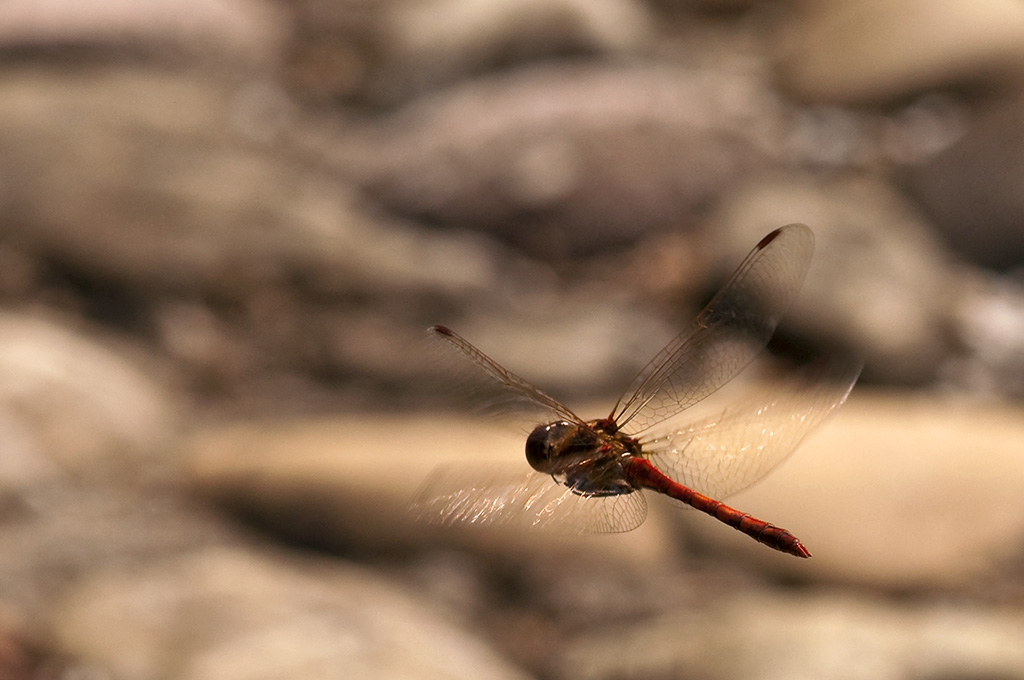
225,225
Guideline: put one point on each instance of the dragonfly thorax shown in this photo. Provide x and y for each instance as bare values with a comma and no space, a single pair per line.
556,446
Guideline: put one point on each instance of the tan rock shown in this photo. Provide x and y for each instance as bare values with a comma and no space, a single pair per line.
351,482
70,399
855,51
229,614
899,490
822,635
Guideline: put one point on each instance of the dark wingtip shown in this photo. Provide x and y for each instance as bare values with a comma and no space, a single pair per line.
794,227
769,238
441,330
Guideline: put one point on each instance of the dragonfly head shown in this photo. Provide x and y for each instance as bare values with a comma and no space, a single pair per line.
554,447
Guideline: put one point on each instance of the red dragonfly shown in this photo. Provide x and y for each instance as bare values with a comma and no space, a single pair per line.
587,474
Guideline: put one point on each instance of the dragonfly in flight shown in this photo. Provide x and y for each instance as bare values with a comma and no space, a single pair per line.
589,475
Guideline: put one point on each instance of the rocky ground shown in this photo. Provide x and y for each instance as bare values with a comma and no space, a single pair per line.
226,225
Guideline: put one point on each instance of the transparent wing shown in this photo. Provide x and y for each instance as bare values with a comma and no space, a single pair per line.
728,334
455,495
506,394
721,455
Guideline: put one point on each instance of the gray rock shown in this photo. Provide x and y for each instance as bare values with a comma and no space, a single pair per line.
154,185
824,635
389,52
58,532
989,322
242,32
566,160
170,194
431,44
225,614
71,400
971,191
880,284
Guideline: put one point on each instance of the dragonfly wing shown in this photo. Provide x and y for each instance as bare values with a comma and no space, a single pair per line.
455,495
501,394
728,334
721,455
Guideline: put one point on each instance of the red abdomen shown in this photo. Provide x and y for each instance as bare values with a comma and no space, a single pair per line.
643,474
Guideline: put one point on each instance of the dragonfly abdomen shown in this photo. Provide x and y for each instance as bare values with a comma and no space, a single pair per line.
643,473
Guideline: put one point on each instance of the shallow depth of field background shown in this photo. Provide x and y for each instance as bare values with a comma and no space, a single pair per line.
225,226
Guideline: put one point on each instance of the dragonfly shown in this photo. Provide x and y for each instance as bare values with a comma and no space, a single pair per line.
590,475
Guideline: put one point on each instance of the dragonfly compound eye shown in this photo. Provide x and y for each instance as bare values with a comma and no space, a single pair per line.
546,443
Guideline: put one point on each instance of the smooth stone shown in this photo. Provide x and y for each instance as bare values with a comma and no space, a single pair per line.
72,400
350,483
881,285
232,614
898,490
564,161
857,52
971,190
759,636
